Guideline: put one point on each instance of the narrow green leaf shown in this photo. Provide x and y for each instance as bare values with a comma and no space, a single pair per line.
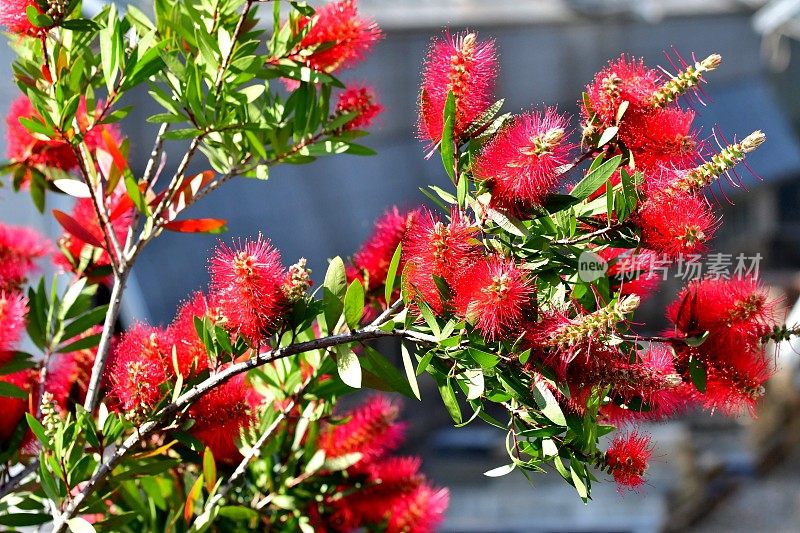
408,366
448,143
500,471
698,373
354,304
391,275
209,469
449,399
9,390
348,366
596,178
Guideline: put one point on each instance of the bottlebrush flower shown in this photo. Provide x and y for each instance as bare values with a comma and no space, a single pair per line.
73,248
662,138
371,262
733,385
623,80
338,37
626,459
220,416
521,163
138,369
19,248
360,100
495,294
563,338
13,309
247,283
676,224
14,409
630,272
433,248
686,80
421,510
372,430
190,351
467,67
736,306
24,148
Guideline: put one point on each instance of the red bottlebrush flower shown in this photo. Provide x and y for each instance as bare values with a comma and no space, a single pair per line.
23,147
13,15
420,511
19,248
676,224
736,306
339,36
372,431
627,458
138,368
14,409
72,247
371,262
733,386
433,248
623,80
495,294
521,163
13,308
247,283
189,348
631,272
219,417
360,100
467,67
662,137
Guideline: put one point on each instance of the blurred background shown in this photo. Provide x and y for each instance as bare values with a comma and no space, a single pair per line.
710,473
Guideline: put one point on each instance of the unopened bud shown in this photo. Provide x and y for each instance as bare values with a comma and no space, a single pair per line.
297,281
685,80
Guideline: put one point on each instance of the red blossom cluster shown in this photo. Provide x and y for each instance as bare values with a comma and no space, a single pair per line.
462,65
20,247
627,457
360,100
337,36
250,294
388,491
13,15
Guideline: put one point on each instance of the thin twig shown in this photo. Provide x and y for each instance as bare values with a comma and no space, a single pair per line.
16,480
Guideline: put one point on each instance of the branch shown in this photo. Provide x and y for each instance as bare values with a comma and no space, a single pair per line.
592,235
16,480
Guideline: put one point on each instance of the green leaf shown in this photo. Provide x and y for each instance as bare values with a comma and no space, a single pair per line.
9,390
335,277
408,366
448,145
391,275
449,399
698,373
608,134
348,366
474,382
596,177
548,404
500,471
696,341
89,341
84,322
374,362
38,430
354,304
238,512
209,469
80,525
485,359
24,519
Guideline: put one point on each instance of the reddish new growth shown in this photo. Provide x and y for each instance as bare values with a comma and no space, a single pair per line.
138,369
14,409
338,37
24,148
623,80
359,100
221,415
496,295
521,164
464,66
247,284
627,458
372,430
676,224
19,248
433,249
736,313
13,15
13,308
86,251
